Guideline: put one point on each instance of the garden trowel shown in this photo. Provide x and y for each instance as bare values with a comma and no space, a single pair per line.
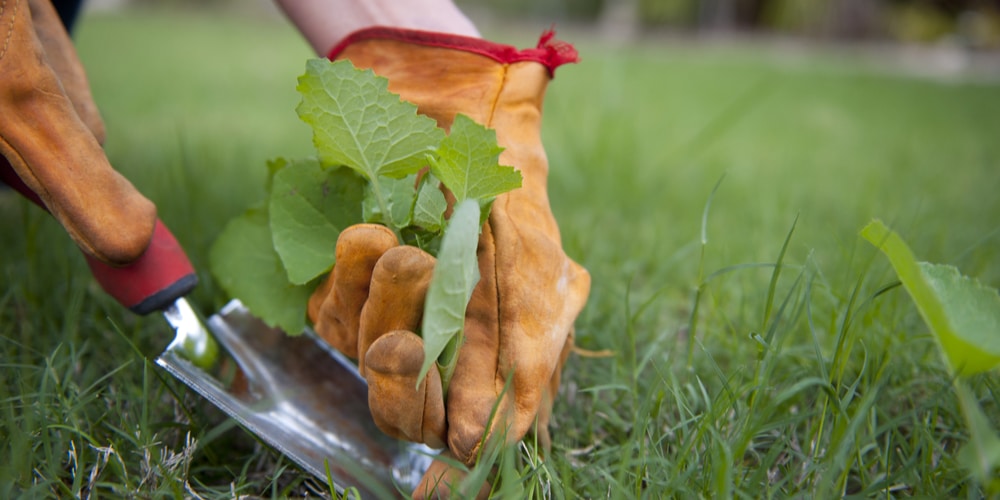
301,396
296,393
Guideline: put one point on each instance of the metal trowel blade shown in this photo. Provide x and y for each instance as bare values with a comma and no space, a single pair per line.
297,394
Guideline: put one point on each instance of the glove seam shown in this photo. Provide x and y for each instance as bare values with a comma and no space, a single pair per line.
495,101
490,115
10,30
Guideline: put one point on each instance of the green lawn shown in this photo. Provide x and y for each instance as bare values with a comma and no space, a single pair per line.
848,396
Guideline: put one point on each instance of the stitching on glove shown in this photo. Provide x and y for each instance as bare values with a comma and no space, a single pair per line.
10,30
494,102
496,97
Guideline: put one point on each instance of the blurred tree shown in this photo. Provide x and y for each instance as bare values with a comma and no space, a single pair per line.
730,14
833,18
619,19
855,19
551,10
652,13
918,21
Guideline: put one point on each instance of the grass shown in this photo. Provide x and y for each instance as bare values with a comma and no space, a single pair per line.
715,193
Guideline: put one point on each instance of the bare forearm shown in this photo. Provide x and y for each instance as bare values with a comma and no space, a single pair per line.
323,23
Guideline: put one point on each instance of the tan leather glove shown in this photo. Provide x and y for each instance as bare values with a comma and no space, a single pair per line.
519,322
51,134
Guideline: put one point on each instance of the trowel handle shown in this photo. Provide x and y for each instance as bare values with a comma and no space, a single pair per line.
152,283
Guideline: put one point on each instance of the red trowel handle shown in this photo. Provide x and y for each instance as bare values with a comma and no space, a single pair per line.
153,282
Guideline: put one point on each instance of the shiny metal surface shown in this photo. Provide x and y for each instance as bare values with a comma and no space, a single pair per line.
297,394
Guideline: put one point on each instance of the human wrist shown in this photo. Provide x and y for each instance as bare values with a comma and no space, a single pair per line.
324,23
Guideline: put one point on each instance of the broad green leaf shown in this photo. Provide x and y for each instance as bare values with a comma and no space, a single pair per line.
243,260
467,163
428,212
309,206
963,314
396,195
357,122
973,309
455,275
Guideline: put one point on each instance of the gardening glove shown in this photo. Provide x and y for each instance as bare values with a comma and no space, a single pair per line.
519,322
51,134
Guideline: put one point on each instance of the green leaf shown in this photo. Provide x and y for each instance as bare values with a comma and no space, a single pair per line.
455,275
309,206
963,314
431,205
467,162
357,122
398,196
247,267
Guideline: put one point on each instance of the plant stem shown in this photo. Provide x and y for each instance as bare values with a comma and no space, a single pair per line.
383,206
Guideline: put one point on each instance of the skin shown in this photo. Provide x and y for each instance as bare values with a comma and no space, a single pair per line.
323,23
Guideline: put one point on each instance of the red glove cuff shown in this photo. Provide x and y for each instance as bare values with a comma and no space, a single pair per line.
549,52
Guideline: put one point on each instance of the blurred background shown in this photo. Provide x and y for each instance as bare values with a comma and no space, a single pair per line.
929,37
971,24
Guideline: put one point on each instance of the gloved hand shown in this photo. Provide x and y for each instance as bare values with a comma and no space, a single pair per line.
51,135
519,322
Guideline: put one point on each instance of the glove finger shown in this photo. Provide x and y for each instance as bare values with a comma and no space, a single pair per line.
396,297
335,308
443,480
400,407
